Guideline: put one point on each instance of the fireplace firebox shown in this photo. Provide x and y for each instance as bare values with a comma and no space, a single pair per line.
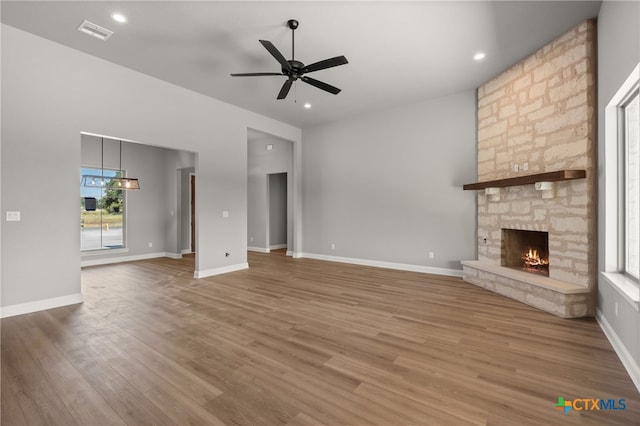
526,250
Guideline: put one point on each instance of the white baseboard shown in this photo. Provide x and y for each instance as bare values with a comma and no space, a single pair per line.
267,249
40,305
259,249
119,259
289,253
222,270
186,251
381,264
626,358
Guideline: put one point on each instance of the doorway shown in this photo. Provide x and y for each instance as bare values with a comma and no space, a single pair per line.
129,228
271,196
277,211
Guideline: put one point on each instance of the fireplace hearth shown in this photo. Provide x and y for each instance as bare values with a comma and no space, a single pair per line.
526,250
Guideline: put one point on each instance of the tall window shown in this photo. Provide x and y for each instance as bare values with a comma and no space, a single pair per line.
102,212
630,114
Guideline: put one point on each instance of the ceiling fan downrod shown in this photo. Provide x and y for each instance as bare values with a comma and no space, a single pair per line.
293,24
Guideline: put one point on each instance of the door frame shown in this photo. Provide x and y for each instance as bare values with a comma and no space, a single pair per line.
192,212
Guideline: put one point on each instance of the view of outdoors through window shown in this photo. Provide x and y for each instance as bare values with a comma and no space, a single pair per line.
101,228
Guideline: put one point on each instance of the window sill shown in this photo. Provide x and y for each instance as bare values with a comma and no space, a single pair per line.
625,286
102,252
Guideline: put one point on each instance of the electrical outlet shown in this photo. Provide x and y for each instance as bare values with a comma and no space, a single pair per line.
333,246
251,239
431,255
516,168
13,216
150,244
525,166
616,308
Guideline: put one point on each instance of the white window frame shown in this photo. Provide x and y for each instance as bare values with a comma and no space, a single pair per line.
614,250
634,96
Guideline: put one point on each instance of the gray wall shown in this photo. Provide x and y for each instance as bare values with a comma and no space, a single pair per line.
152,213
260,164
50,95
618,54
388,186
277,209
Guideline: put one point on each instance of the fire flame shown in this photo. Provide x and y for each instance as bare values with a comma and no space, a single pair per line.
532,258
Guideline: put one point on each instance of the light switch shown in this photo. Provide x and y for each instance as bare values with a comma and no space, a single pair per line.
13,216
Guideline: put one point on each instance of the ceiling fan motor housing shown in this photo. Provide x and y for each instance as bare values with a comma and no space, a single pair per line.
295,71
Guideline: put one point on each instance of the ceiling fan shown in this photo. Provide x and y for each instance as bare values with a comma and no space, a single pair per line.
295,70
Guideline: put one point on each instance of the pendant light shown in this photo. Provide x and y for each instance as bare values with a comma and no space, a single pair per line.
101,181
125,182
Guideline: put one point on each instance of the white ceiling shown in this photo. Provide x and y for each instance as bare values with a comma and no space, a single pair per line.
398,52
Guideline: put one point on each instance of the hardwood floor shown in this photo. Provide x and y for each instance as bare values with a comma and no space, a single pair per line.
301,342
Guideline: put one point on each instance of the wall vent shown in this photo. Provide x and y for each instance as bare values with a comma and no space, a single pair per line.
95,30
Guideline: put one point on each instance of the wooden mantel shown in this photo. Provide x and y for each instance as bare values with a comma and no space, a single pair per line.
529,179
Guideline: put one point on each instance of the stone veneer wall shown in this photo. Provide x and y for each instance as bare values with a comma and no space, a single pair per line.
542,111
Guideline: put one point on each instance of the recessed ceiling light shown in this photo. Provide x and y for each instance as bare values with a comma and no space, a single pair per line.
119,18
307,105
479,56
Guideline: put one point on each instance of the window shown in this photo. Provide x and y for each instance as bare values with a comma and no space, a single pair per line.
630,149
102,211
622,189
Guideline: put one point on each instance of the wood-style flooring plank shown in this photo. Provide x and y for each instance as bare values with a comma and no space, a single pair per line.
301,342
36,396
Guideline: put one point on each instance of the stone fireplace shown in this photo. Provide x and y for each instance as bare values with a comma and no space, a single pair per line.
526,251
535,119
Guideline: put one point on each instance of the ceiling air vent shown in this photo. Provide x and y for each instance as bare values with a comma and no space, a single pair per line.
95,30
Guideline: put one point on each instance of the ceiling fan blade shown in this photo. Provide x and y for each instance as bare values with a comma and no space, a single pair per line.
285,89
255,74
327,63
320,85
276,54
